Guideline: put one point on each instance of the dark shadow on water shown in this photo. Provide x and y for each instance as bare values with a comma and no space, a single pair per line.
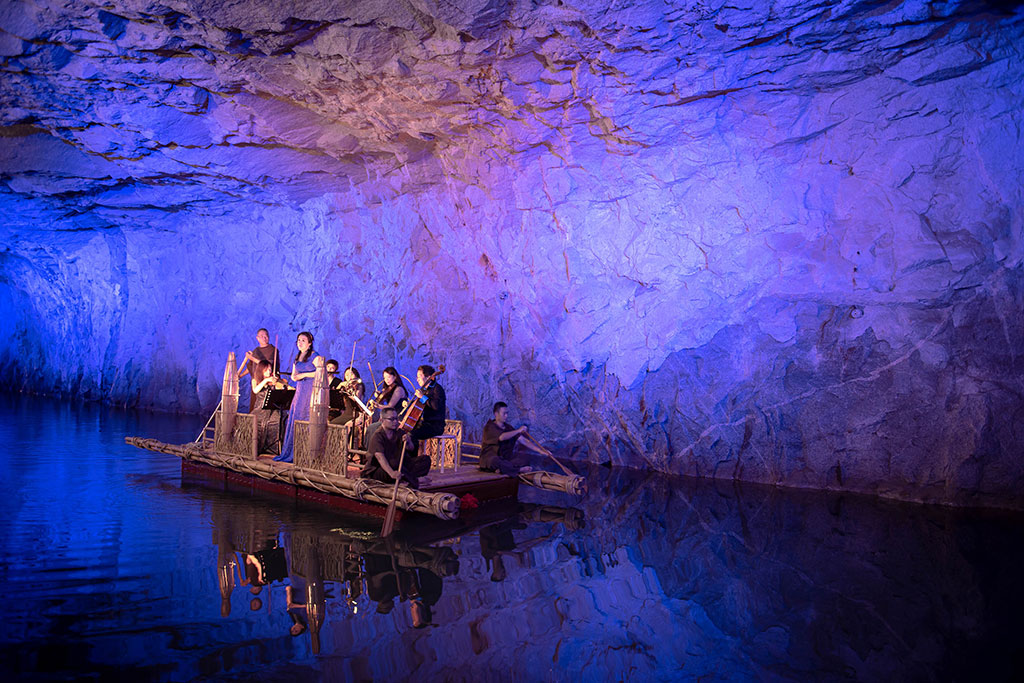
114,566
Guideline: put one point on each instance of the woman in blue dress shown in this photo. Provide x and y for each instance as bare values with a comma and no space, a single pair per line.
303,372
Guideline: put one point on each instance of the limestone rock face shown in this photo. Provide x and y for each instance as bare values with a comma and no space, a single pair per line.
776,242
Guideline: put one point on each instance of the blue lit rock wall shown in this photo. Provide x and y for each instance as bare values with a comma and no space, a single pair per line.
774,243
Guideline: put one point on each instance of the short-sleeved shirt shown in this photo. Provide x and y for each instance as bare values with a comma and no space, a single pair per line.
391,448
267,353
493,448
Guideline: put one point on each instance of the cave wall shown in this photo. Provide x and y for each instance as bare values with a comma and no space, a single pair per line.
773,243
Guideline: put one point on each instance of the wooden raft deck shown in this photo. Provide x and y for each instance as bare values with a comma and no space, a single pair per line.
325,470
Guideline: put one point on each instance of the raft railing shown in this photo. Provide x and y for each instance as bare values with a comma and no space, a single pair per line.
206,435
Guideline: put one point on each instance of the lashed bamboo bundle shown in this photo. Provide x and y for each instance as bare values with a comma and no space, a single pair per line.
440,505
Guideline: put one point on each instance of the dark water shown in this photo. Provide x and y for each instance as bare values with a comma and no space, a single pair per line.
112,566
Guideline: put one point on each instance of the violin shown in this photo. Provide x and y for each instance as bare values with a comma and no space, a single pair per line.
415,411
351,386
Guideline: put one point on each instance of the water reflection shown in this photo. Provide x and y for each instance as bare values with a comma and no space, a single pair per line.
326,564
114,566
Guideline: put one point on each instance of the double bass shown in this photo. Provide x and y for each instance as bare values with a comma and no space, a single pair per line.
415,410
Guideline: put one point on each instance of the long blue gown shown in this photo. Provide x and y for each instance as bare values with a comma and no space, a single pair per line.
300,407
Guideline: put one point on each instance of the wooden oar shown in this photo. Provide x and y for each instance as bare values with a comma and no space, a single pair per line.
547,453
389,517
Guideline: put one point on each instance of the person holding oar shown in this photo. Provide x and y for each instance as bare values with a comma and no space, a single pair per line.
391,453
497,452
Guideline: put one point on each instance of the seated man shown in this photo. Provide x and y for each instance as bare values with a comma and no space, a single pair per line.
499,443
385,452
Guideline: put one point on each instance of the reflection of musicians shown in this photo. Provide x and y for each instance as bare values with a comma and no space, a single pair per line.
497,450
385,452
265,351
307,598
381,582
265,566
387,579
423,588
226,564
494,540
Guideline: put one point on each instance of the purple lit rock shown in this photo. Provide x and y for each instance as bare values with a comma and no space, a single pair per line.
780,245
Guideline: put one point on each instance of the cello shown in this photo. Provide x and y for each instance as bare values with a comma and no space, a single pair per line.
415,410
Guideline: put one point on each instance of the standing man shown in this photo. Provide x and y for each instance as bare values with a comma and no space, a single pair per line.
265,351
499,444
385,452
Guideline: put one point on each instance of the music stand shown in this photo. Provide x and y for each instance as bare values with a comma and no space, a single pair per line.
279,399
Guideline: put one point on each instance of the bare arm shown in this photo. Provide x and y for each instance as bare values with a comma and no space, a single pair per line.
257,388
511,434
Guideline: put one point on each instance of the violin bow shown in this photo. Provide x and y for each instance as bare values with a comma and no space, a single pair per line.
352,362
370,368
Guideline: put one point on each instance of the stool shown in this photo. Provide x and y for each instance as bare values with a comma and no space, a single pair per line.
442,452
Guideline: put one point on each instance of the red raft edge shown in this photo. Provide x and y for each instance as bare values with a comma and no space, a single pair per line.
484,492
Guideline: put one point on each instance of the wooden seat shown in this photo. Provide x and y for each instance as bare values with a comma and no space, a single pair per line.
445,451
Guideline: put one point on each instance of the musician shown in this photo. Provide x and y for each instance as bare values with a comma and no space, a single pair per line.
268,420
434,410
265,351
334,383
354,388
303,372
393,393
385,452
497,450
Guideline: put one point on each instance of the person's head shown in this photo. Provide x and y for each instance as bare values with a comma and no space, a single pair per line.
331,366
423,372
500,411
262,336
385,606
255,604
389,418
390,375
351,374
297,629
264,369
304,342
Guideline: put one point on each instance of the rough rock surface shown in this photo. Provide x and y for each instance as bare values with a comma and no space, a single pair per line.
777,242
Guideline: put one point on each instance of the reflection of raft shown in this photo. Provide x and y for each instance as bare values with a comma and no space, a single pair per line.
324,471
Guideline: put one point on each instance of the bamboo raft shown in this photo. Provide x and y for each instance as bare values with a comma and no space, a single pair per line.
325,471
